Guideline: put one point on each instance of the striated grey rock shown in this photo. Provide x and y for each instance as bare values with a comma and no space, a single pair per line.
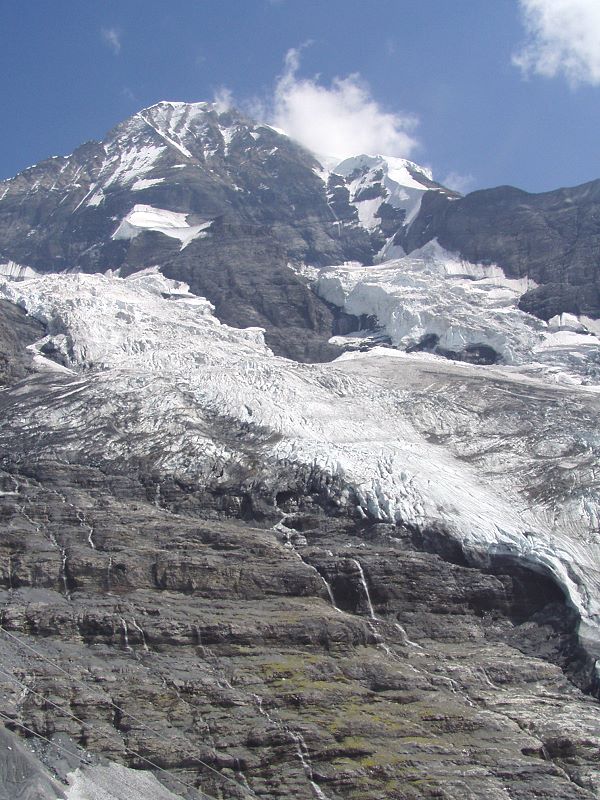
22,776
192,641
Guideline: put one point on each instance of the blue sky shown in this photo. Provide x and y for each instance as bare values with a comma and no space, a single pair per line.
485,92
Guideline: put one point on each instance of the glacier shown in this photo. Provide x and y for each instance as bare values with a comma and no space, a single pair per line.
501,458
458,305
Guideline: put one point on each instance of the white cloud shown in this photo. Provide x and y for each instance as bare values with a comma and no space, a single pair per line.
112,38
223,99
563,37
459,182
129,94
338,120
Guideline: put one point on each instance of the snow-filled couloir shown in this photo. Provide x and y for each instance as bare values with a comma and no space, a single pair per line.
147,374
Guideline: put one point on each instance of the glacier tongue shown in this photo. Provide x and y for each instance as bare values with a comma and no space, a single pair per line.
394,437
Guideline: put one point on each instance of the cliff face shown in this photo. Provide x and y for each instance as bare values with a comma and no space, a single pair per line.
551,238
189,640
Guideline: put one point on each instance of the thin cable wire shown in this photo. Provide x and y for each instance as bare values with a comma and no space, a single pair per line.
73,679
90,727
12,721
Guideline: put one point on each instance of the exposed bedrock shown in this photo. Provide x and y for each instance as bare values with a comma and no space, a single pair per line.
317,656
551,237
16,331
241,611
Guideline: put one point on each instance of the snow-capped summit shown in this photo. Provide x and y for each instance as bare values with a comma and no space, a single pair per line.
379,184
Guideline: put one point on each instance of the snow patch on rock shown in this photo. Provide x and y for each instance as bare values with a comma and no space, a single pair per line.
170,223
125,165
145,183
399,182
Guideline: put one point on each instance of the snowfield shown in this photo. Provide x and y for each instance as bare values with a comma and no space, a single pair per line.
502,458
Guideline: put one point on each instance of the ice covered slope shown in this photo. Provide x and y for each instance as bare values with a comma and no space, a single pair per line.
505,464
169,223
435,301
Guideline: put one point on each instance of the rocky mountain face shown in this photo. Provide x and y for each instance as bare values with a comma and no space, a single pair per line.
271,205
268,203
551,238
228,574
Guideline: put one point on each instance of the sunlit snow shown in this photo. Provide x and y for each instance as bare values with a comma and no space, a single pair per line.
434,292
170,223
398,178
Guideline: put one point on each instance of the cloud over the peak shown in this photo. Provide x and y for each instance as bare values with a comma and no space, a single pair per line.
223,99
340,120
563,37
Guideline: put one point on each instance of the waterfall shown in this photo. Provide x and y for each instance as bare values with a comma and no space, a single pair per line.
329,591
304,758
365,588
108,572
302,752
283,529
405,637
125,634
141,632
63,570
373,615
83,523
